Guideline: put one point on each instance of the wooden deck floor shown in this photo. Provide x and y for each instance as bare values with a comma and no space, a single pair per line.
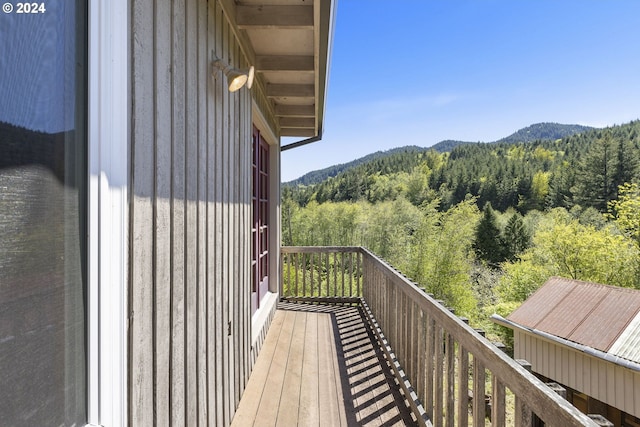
320,366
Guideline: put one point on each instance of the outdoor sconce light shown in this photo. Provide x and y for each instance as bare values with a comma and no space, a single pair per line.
235,78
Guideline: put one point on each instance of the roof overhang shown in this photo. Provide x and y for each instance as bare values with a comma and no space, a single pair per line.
289,44
612,358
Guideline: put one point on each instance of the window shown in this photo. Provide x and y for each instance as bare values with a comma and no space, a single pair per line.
43,215
260,228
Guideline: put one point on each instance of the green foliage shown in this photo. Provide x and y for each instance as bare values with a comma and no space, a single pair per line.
326,224
515,237
419,210
487,240
626,210
526,172
388,229
562,246
595,185
443,258
318,176
497,332
539,190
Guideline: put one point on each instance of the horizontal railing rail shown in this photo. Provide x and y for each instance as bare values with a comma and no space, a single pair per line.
454,374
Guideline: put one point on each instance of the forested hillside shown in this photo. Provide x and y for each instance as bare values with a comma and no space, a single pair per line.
318,176
549,131
484,225
539,131
583,169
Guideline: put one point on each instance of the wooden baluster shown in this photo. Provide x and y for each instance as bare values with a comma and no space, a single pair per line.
498,407
463,386
359,274
312,270
415,345
404,341
335,274
421,348
342,268
327,274
393,315
430,369
450,350
419,352
304,274
438,410
284,279
292,284
317,267
296,262
478,392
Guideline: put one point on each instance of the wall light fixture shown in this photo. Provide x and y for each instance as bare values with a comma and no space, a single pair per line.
235,78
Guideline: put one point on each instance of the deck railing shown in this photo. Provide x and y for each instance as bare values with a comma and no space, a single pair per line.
329,273
450,372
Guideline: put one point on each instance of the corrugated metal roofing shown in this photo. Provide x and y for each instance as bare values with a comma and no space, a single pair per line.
627,345
541,303
569,312
616,309
591,314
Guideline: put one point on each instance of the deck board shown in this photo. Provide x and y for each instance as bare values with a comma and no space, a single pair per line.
308,410
320,365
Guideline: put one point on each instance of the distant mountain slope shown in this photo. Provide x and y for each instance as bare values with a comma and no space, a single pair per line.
535,132
448,145
536,175
545,131
320,175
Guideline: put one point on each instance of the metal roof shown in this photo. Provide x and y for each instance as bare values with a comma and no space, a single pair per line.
606,318
627,345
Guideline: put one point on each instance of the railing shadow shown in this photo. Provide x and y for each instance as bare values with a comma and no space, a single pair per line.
371,393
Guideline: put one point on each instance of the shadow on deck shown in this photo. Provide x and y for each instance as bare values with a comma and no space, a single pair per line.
322,365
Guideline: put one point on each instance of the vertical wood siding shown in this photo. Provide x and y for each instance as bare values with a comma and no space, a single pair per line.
602,380
190,324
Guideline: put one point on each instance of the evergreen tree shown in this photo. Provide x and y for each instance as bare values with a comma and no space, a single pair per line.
595,184
516,238
487,243
560,186
627,164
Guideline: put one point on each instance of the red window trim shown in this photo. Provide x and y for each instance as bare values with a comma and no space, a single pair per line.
260,226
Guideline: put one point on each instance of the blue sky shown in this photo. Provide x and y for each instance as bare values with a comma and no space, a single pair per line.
416,72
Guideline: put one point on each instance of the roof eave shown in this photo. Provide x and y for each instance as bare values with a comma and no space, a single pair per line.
496,318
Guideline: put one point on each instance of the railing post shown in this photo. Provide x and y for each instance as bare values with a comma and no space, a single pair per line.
523,415
558,389
600,420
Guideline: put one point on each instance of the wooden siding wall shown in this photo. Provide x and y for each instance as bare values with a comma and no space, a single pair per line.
605,381
189,326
